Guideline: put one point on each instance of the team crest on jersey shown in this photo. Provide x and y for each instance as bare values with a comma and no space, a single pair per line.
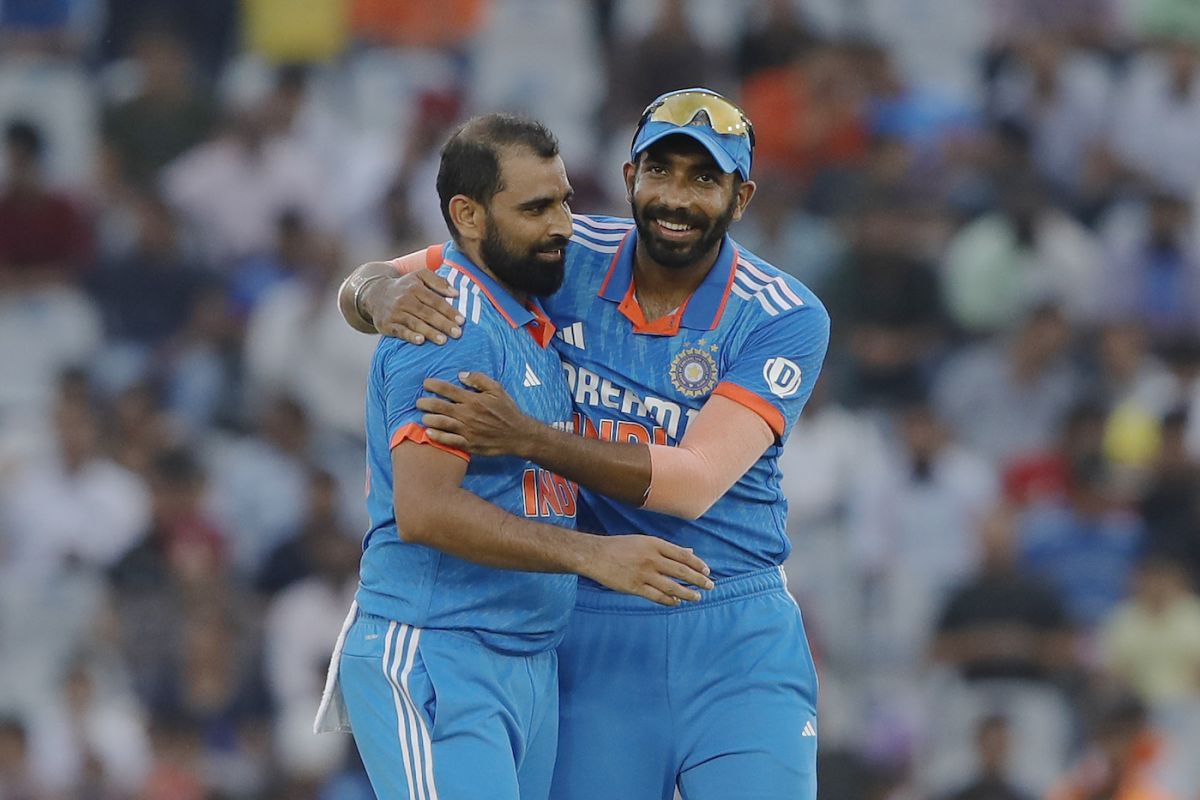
694,371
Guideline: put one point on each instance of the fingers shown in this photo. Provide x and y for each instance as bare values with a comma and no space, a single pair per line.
448,439
479,382
412,330
443,424
436,282
654,595
685,573
673,589
438,313
436,405
684,556
448,390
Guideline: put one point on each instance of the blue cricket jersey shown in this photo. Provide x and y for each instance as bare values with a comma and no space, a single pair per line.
750,332
515,612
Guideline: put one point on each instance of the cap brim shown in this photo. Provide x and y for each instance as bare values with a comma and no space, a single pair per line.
705,136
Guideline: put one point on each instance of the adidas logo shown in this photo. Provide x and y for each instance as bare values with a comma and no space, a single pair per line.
531,378
809,729
572,334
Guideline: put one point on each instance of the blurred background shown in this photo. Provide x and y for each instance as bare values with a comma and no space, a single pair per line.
995,490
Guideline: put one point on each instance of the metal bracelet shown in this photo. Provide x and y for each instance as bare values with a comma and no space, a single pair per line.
358,292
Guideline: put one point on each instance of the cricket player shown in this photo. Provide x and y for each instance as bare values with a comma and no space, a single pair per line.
688,360
446,669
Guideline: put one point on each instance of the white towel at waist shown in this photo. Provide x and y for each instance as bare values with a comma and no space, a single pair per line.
331,714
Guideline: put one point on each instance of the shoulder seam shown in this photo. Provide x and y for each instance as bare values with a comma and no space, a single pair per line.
770,291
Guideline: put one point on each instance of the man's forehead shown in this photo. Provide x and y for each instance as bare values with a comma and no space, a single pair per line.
524,172
681,148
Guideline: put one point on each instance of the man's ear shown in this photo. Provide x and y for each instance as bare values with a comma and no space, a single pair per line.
744,193
468,217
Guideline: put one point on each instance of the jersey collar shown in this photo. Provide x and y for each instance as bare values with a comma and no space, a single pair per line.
701,311
531,317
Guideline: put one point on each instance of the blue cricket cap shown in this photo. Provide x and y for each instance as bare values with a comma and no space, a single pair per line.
705,116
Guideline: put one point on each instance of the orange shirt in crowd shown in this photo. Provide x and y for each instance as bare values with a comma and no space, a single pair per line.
442,24
799,128
1084,781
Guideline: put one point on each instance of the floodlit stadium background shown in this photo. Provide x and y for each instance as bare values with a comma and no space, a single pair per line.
995,502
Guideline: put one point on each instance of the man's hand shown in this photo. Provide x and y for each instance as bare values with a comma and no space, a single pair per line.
648,567
480,419
413,307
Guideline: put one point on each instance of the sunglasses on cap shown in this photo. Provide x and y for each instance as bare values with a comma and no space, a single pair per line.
684,107
719,125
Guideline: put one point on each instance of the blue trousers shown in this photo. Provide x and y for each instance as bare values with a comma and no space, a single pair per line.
438,716
718,697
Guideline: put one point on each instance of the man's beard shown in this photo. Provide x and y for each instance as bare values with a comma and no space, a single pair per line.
524,271
679,255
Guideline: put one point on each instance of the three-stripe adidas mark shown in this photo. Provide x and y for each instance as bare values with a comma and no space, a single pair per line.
809,729
531,378
572,334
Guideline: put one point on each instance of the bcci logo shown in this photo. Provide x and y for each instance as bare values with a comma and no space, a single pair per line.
694,372
782,376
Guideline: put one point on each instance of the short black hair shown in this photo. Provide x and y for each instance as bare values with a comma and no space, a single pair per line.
470,163
24,134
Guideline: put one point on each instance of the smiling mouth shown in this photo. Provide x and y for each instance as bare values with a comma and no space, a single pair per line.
674,229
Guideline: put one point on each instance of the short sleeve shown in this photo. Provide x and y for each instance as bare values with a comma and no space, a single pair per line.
774,372
406,366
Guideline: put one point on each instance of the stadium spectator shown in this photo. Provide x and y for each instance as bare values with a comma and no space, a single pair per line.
1026,252
1008,639
992,745
1085,546
1006,398
1045,476
16,779
45,240
889,303
170,113
1171,502
1153,275
1119,758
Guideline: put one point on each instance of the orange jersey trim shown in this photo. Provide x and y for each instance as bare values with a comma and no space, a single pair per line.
663,326
540,327
430,258
412,432
750,400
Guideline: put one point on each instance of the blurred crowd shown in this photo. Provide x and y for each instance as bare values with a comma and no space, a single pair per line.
994,492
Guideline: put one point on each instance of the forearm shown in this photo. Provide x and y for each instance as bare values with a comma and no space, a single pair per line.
362,281
615,469
467,527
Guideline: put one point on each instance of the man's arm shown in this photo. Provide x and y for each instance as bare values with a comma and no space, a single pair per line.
466,526
723,441
400,298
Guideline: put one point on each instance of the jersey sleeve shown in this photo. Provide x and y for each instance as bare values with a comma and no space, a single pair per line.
774,372
405,368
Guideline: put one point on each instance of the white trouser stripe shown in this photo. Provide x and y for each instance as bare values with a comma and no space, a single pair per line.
394,633
421,733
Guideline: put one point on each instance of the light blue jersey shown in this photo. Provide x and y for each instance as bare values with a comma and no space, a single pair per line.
750,333
719,697
513,612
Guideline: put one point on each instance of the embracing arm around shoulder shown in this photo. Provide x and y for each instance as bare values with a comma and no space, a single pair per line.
401,298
